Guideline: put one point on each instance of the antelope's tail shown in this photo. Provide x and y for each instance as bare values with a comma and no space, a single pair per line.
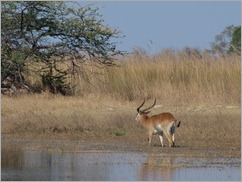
178,124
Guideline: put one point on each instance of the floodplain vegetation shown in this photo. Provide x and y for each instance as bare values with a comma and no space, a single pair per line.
201,91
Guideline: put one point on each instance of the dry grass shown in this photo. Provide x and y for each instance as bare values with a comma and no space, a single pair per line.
95,117
174,77
177,81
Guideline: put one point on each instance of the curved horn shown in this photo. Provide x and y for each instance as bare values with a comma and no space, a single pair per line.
138,109
150,106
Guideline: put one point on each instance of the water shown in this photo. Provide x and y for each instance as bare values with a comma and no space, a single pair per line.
24,164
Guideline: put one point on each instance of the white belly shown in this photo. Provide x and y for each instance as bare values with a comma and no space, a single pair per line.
158,129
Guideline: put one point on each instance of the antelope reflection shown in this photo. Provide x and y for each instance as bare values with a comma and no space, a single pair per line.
157,168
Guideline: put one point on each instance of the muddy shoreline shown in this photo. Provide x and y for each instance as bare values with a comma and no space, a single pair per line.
115,144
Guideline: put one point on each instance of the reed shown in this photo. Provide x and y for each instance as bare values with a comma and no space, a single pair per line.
174,78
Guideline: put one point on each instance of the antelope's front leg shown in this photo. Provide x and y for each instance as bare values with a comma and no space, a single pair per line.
150,137
161,139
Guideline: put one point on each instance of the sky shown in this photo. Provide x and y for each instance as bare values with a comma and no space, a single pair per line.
157,25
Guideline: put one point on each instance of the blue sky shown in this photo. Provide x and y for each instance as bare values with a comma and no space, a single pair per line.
158,25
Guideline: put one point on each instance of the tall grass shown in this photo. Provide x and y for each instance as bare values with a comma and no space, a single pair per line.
174,78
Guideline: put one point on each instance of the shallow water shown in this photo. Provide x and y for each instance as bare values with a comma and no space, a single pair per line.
25,164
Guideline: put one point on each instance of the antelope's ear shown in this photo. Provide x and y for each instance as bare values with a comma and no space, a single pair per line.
146,112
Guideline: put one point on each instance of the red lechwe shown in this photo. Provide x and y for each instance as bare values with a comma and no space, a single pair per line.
160,124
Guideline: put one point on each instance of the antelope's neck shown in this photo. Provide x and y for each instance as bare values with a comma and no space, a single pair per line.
144,119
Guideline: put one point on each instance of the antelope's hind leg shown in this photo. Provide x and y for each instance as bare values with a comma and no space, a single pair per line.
172,133
173,140
169,138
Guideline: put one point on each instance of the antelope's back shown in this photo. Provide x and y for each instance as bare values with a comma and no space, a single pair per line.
163,117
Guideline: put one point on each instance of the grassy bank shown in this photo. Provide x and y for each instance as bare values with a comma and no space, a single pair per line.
201,91
95,117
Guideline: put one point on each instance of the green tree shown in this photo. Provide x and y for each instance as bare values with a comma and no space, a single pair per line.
235,45
50,33
228,41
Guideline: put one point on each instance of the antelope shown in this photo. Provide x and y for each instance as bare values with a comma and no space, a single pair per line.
160,124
